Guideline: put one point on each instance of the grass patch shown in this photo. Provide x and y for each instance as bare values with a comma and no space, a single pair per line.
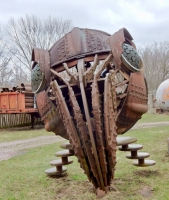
153,118
7,135
23,176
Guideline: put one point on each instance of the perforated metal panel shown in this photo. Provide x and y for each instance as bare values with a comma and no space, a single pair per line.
37,79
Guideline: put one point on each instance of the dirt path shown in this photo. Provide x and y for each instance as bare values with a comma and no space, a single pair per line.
149,125
17,147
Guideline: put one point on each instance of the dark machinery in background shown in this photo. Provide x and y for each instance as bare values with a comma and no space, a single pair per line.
18,100
90,88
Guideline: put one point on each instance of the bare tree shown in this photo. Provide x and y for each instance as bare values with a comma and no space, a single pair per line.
30,31
5,58
19,76
156,63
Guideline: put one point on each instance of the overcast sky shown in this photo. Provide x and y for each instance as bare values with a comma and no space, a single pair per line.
146,20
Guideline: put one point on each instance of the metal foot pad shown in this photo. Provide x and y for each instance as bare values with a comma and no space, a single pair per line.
66,145
60,162
64,153
125,140
146,163
53,171
138,155
130,147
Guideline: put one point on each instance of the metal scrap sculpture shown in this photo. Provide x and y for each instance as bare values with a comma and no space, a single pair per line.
103,94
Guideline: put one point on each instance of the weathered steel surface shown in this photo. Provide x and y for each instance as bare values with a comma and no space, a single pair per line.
109,121
41,58
78,43
97,119
116,42
50,115
104,97
83,133
135,103
18,100
99,177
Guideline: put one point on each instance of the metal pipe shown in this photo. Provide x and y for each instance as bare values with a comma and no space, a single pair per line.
23,85
29,96
29,100
29,104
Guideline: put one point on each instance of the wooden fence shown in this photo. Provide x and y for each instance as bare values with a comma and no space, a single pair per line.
14,120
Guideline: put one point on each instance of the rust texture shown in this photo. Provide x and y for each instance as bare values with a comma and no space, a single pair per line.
135,103
41,57
93,95
17,99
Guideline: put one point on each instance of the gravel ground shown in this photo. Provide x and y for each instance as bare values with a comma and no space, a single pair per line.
149,125
17,147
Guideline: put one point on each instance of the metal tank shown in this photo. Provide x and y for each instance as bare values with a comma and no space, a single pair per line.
162,95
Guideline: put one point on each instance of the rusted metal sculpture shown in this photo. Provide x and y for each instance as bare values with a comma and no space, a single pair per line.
103,94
